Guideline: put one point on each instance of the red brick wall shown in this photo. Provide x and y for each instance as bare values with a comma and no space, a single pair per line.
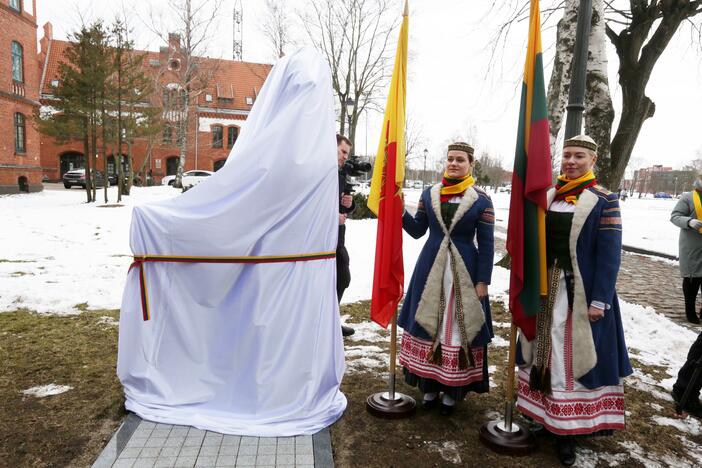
20,28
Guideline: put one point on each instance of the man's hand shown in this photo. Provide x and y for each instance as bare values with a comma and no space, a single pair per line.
694,224
346,201
481,290
594,313
342,218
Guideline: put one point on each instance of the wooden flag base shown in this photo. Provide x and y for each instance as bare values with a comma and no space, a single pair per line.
519,441
383,406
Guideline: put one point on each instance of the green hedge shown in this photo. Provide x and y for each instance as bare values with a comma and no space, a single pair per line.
361,211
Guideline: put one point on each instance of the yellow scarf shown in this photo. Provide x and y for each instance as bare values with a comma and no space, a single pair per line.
460,187
698,206
569,190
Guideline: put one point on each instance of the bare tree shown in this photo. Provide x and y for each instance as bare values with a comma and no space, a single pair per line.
276,26
354,36
187,68
414,141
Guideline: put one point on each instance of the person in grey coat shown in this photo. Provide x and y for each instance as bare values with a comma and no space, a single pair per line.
687,219
690,250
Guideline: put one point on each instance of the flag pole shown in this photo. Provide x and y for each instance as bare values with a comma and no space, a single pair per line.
391,404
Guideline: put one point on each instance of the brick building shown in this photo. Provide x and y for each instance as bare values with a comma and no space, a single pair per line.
216,120
20,169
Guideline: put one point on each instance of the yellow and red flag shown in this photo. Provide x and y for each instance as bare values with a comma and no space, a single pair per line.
385,199
526,231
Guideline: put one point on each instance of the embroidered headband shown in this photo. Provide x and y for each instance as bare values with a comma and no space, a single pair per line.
581,141
461,146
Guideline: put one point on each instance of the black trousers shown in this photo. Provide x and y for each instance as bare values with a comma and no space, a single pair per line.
685,373
343,272
691,287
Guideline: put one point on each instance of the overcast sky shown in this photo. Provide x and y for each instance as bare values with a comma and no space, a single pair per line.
451,89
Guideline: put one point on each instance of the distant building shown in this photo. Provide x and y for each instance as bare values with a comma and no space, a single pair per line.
658,178
20,169
214,127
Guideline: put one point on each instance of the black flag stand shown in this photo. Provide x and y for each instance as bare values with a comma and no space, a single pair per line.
391,404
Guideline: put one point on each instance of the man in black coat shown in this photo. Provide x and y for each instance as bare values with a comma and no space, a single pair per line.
346,206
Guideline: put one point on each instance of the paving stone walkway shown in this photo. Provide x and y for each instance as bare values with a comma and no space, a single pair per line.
139,443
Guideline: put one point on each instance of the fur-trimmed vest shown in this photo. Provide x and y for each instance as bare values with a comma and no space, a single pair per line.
421,312
598,349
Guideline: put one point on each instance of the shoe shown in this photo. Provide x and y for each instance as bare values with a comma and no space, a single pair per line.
693,319
347,331
565,450
446,410
430,404
693,406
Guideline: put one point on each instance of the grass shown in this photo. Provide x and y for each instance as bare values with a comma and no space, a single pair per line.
72,428
428,439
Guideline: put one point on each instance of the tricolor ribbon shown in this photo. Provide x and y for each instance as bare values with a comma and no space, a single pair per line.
140,260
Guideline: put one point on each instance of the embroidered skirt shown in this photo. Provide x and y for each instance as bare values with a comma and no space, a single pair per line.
571,408
446,377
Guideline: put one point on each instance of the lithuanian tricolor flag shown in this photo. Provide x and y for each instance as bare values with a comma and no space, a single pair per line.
526,232
386,189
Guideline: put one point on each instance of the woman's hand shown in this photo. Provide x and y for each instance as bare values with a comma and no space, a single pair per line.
594,313
481,290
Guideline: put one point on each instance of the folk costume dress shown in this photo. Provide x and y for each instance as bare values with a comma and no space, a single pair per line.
446,327
229,318
570,377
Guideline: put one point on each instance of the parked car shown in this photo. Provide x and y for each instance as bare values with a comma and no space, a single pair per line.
418,184
192,178
168,180
77,177
662,195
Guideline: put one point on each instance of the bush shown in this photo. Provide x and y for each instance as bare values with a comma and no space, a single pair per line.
361,211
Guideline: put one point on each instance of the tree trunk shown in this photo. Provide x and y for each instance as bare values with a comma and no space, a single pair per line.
559,84
183,144
86,150
599,112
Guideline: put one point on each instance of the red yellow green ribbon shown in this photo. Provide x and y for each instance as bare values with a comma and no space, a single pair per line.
140,260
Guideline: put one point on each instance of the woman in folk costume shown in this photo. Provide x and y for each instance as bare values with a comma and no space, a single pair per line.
571,374
446,312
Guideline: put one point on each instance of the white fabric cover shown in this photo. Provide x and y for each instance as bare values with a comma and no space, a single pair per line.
245,349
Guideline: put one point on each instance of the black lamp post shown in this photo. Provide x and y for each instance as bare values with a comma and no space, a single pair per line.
424,171
576,95
350,104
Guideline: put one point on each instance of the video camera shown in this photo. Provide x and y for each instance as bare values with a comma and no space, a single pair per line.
353,167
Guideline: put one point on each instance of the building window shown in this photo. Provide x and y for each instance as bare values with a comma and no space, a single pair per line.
232,135
17,62
217,136
225,101
168,134
20,134
16,5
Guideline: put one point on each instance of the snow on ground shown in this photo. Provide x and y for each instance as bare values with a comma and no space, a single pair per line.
59,252
42,391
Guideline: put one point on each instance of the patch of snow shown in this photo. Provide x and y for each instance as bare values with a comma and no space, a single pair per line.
107,320
42,391
448,451
689,425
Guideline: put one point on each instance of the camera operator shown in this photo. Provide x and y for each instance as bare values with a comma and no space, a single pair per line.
346,206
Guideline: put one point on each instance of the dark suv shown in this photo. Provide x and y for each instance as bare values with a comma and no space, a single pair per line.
77,177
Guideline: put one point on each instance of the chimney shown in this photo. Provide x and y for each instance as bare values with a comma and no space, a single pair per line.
174,41
44,41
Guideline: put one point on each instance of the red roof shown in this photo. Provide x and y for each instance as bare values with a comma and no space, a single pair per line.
235,81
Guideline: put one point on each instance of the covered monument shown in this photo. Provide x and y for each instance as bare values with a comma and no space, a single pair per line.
229,318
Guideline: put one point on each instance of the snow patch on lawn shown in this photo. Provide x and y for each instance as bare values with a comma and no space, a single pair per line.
42,391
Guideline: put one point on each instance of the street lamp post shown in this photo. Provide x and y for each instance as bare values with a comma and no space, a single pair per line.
350,104
576,97
424,171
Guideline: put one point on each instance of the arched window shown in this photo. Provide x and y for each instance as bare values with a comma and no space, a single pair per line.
17,62
232,135
20,134
217,136
16,5
218,164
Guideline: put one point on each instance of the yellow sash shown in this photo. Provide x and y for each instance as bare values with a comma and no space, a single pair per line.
698,206
460,187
